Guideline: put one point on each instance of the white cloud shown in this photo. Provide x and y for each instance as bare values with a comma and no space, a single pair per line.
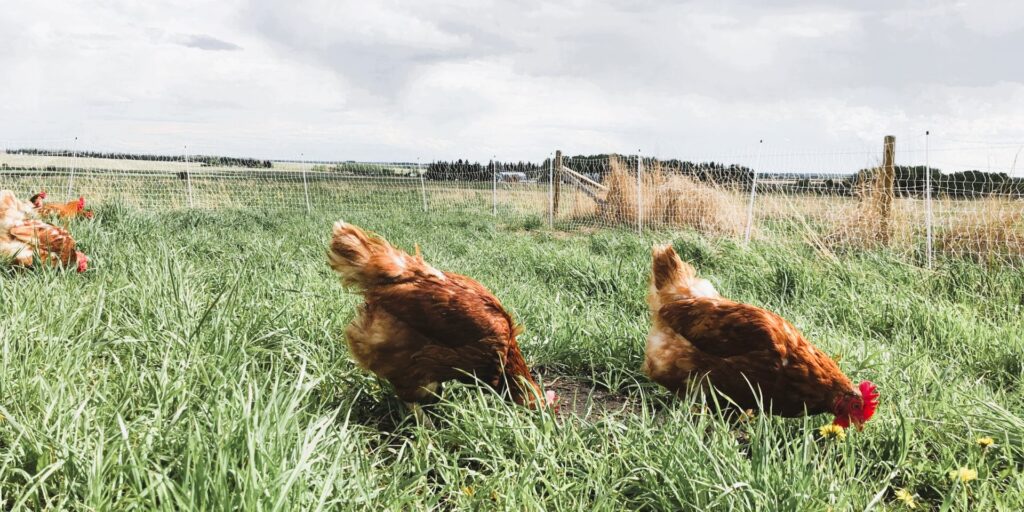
448,79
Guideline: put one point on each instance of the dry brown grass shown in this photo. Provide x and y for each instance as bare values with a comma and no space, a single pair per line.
875,221
670,201
993,232
979,229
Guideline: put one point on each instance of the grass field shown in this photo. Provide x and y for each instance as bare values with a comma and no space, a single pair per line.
199,364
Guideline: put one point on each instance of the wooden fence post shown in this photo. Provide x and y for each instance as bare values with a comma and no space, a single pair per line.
639,193
886,186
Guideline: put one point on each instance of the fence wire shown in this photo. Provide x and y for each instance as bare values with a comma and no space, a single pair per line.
863,198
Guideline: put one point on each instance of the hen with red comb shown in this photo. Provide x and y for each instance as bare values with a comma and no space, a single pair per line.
26,240
751,355
68,210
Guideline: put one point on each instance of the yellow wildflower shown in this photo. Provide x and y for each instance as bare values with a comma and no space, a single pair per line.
985,442
747,416
906,498
832,431
468,491
964,475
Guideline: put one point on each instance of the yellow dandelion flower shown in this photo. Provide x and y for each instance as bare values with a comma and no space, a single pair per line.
747,416
468,491
832,431
985,442
905,497
963,474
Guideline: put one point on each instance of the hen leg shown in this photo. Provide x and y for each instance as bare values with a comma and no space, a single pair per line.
414,398
419,414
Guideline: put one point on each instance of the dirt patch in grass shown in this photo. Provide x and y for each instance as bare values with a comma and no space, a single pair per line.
582,398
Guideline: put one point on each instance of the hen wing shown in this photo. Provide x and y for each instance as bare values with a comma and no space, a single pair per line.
724,328
452,310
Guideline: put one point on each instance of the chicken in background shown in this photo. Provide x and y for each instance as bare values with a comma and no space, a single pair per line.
26,239
741,350
68,210
420,327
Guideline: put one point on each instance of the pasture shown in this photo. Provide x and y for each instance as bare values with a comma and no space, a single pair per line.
200,364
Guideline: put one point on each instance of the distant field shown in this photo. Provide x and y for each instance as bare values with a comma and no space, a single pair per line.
67,162
983,229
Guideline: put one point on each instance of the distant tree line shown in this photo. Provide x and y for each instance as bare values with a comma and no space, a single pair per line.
595,167
205,160
911,181
464,170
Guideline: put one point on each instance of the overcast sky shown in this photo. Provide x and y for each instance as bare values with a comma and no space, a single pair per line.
385,80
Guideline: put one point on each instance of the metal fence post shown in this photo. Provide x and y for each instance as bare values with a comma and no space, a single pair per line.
305,183
556,184
188,178
639,194
74,161
423,184
494,187
753,193
928,199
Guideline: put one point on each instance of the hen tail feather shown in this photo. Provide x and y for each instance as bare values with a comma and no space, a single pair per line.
364,261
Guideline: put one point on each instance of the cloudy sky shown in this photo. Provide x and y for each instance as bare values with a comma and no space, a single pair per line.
390,80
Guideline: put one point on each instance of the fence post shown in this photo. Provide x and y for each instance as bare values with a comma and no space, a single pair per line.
639,193
551,192
928,199
305,183
74,161
494,187
887,186
556,181
753,193
188,178
423,184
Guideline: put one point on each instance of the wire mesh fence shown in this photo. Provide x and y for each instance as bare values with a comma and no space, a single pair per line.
888,197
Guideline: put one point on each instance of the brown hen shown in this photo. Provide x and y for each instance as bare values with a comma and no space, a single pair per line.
745,352
69,210
420,327
25,239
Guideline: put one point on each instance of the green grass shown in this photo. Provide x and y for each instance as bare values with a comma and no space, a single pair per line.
199,364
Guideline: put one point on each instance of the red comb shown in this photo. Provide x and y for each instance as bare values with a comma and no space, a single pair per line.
869,393
83,261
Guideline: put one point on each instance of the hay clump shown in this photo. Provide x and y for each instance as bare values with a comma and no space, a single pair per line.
669,200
